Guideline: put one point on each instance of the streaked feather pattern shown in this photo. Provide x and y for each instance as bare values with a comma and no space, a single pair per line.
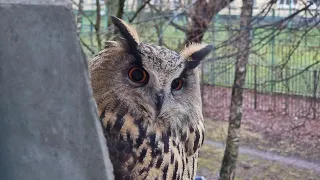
147,141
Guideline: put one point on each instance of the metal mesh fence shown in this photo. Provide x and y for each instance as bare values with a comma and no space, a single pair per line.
283,70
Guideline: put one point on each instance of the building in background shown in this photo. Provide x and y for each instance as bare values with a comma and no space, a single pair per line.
284,7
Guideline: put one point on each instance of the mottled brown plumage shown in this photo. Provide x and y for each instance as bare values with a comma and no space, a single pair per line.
152,117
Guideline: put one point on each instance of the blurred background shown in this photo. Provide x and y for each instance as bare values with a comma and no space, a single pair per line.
278,41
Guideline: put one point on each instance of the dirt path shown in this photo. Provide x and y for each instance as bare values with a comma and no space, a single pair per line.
315,166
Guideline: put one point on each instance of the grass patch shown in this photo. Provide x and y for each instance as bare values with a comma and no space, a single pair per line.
217,131
248,167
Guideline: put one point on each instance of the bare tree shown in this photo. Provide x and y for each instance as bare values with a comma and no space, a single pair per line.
97,24
112,7
232,145
201,16
120,8
79,16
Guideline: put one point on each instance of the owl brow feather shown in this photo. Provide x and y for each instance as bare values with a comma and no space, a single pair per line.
127,31
194,54
130,36
191,48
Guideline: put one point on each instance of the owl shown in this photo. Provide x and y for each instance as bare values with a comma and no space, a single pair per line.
149,104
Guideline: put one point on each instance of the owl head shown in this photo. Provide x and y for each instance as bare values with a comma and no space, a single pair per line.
151,82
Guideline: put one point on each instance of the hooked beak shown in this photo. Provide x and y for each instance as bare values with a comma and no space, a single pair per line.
160,99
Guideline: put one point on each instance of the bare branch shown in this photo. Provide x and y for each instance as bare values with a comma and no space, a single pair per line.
138,11
170,18
89,19
87,46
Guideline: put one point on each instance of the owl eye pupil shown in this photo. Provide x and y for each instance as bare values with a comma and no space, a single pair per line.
177,84
138,75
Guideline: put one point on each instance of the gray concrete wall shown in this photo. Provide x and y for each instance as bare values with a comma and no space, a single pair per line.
38,2
48,124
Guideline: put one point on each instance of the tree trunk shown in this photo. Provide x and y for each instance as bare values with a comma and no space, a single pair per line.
201,16
97,25
120,8
79,16
115,8
112,9
159,25
229,161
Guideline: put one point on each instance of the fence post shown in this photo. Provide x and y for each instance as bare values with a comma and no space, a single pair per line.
286,84
255,85
315,87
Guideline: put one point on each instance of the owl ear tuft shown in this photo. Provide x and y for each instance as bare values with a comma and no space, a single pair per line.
127,31
195,52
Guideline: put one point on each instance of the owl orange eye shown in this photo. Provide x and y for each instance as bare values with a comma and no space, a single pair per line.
177,84
138,75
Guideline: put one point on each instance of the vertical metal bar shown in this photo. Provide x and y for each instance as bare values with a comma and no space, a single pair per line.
315,86
272,50
286,91
255,85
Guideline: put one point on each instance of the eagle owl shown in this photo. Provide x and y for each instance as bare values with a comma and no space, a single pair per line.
150,108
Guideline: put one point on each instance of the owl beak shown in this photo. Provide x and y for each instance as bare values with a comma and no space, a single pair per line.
160,99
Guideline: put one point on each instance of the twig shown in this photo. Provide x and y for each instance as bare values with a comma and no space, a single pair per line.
138,11
87,46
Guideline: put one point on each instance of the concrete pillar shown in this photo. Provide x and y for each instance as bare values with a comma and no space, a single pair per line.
48,124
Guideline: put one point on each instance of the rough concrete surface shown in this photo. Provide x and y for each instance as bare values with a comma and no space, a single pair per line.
37,2
49,129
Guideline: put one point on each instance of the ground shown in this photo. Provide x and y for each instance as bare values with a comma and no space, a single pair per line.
268,127
249,165
274,127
